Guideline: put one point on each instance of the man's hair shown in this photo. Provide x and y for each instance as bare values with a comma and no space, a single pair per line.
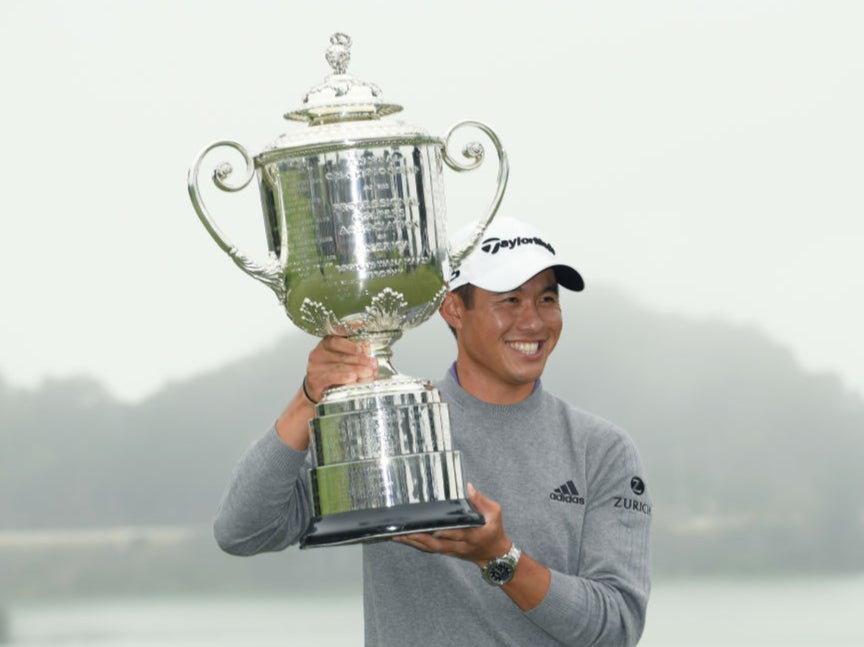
466,295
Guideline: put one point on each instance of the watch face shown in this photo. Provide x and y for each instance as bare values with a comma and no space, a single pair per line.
499,571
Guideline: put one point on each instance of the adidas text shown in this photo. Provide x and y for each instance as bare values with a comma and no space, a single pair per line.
567,498
567,493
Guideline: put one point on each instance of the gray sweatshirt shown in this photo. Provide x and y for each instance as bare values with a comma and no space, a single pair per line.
573,496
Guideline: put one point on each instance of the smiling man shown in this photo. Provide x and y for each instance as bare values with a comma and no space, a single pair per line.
503,308
558,560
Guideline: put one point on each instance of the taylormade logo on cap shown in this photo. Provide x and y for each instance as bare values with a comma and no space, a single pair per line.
492,245
509,253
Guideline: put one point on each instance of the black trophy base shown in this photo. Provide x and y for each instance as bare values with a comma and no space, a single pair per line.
381,523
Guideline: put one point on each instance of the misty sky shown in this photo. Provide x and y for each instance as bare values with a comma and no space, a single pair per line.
705,157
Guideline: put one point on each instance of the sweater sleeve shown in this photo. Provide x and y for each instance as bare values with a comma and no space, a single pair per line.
266,505
605,603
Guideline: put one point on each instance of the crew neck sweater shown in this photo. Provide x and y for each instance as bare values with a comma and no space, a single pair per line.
572,492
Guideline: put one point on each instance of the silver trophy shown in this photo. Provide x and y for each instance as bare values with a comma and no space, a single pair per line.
354,215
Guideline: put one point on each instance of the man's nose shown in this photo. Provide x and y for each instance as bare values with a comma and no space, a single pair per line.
529,317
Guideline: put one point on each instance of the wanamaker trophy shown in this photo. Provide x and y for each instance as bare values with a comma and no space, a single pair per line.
355,221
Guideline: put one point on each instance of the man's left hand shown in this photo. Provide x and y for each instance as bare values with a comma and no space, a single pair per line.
477,545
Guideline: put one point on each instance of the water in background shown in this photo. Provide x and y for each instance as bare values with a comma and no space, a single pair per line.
708,613
757,613
191,622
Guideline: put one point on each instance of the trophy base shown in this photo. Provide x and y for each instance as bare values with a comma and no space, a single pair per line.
376,524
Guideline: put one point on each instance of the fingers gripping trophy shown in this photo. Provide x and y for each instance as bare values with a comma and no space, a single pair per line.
355,220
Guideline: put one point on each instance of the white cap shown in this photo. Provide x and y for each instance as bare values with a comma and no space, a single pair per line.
509,253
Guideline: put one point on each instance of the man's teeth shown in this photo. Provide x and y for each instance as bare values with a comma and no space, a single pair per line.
528,348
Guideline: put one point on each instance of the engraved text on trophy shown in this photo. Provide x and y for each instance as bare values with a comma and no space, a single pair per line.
363,229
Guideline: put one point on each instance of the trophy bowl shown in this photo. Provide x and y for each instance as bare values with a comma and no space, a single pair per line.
354,217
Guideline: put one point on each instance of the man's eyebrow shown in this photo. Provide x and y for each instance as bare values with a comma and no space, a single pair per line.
552,287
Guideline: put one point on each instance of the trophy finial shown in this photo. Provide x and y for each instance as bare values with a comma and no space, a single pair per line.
339,53
341,97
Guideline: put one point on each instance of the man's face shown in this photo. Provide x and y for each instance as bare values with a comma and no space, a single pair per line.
506,338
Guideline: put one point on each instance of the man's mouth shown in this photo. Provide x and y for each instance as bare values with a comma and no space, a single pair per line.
525,347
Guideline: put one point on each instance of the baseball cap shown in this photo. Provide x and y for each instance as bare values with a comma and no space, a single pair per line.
509,253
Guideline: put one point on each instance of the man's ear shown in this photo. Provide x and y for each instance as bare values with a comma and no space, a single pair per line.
451,310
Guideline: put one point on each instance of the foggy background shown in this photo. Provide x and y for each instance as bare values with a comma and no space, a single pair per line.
702,160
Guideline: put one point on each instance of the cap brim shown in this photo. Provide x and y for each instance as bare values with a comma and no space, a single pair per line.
511,278
569,278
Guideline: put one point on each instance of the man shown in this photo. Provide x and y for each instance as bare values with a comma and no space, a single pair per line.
565,543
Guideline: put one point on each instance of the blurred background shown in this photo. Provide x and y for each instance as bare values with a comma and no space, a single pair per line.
701,160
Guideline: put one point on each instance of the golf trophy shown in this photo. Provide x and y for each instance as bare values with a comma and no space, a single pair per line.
355,222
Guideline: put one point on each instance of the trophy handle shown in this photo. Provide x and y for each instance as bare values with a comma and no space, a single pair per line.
474,152
268,273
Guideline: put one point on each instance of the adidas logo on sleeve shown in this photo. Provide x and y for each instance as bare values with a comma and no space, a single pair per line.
567,493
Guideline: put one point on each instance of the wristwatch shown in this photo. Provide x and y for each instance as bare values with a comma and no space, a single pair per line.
500,570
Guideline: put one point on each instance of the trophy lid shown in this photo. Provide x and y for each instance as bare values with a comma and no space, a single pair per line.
341,97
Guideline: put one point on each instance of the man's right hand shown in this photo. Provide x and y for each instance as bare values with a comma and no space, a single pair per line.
335,361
